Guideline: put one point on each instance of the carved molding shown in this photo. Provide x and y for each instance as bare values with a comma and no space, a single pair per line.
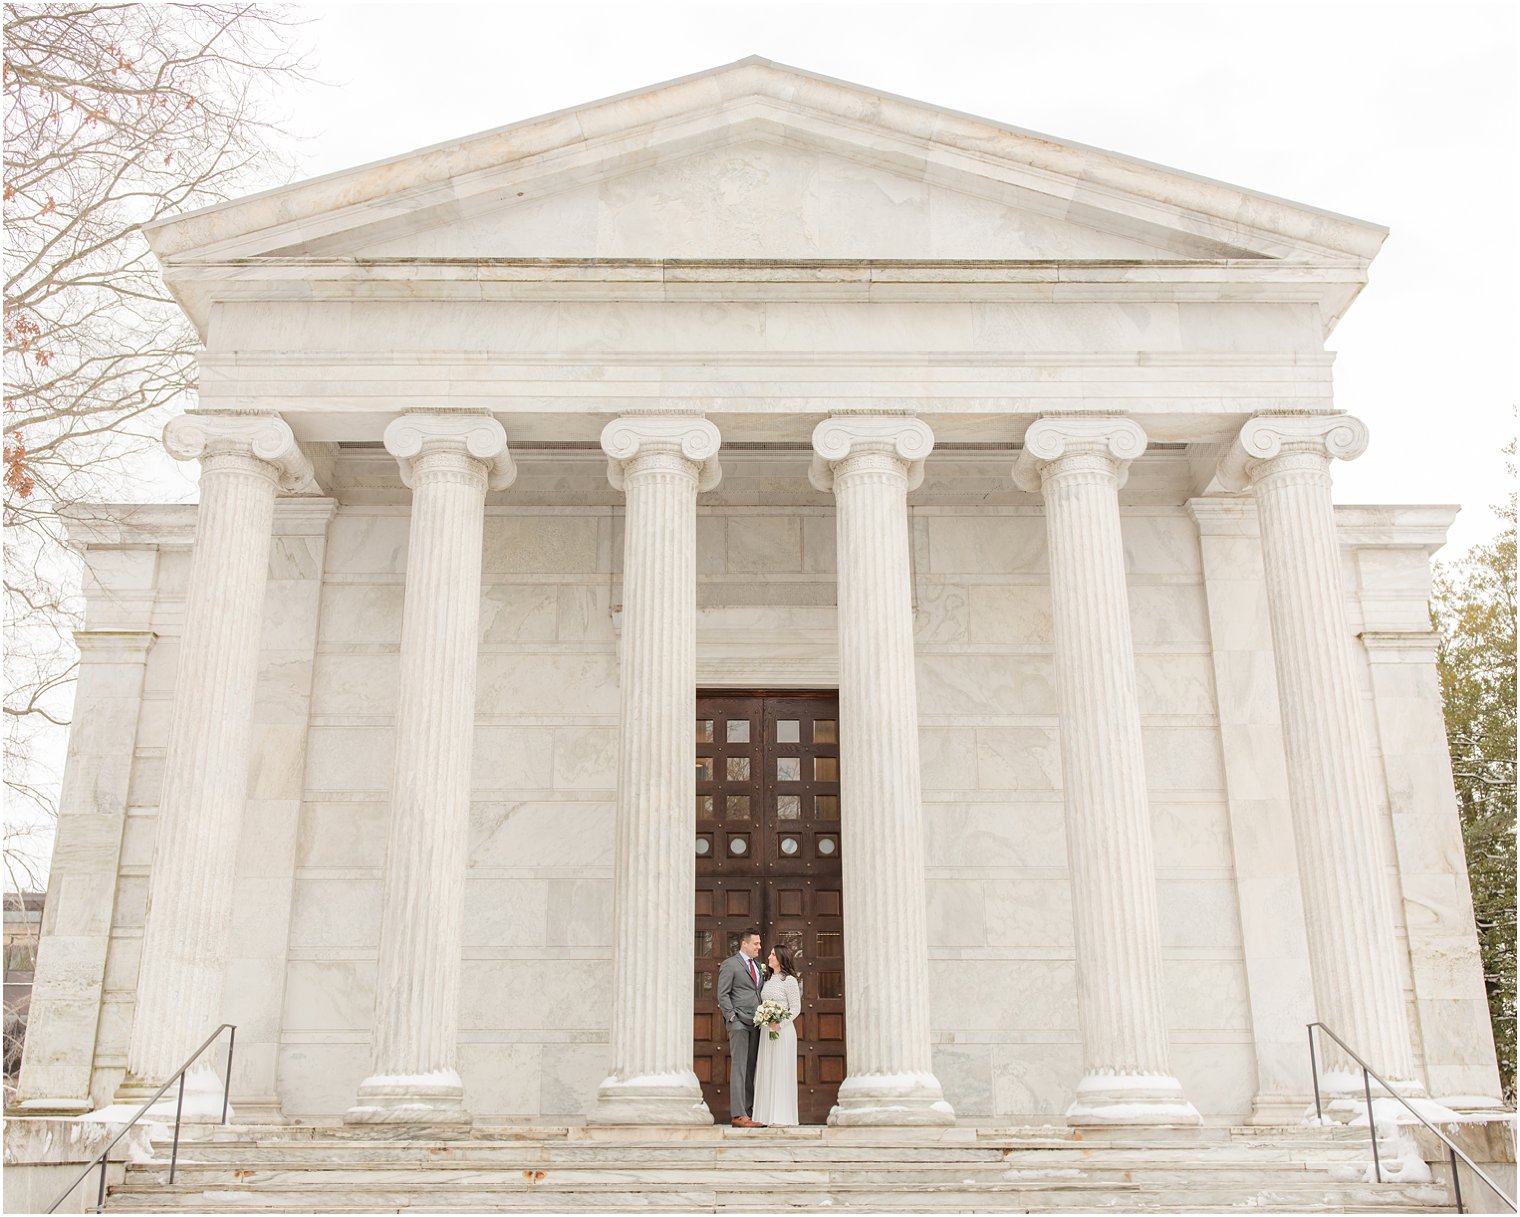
841,436
1267,436
631,435
1052,437
265,437
478,436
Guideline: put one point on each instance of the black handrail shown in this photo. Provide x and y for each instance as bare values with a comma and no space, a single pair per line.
178,1075
1368,1073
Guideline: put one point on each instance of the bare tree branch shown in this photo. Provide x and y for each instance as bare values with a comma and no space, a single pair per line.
116,115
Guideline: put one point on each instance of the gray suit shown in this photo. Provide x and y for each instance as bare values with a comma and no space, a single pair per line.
738,995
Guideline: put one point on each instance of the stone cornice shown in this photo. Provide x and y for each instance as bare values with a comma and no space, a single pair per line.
108,645
1419,527
1418,644
478,436
129,525
550,280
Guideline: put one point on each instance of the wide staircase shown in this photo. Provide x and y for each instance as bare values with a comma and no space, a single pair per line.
997,1170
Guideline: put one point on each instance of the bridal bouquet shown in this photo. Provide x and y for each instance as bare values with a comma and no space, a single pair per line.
770,1015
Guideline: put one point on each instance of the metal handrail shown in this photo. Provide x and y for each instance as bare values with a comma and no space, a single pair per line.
1369,1073
102,1158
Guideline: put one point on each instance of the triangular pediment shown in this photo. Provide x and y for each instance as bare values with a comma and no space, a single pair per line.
753,198
825,168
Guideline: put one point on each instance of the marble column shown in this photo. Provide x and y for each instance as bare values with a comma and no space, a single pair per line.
870,463
1342,869
1078,465
245,461
660,462
449,460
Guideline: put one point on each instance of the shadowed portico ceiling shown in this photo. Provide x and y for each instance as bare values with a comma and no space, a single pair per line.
755,178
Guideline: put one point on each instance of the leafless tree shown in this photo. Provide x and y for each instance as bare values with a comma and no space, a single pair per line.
116,115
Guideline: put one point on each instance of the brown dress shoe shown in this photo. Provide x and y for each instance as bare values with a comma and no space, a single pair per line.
745,1122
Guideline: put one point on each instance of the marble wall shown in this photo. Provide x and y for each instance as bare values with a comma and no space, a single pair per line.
538,916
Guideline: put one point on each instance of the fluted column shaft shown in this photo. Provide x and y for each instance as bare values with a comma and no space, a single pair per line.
870,463
1348,913
1079,465
245,461
448,460
660,462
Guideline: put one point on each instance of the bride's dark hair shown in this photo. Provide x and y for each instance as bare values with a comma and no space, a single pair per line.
786,958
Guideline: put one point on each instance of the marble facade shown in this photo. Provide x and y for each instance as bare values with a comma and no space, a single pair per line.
1064,418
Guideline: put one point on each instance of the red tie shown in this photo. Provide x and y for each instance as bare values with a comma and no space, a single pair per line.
753,974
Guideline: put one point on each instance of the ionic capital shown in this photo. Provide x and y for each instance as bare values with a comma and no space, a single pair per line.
476,436
1269,436
690,437
901,437
1112,438
262,437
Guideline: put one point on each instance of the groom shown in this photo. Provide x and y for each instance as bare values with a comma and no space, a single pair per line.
738,995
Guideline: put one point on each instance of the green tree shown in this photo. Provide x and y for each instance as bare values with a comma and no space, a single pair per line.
1474,611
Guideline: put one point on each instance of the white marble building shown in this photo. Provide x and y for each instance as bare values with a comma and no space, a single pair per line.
760,381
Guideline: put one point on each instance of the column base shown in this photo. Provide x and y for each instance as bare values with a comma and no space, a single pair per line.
676,1099
203,1098
1130,1098
1277,1110
881,1100
260,1109
432,1100
1343,1098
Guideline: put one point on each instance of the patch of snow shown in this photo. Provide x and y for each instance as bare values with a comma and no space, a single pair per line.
1478,1101
1401,1163
1344,1172
1391,1112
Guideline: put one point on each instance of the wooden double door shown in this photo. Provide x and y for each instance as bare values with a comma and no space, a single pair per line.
767,848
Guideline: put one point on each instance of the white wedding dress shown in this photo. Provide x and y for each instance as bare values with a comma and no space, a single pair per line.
776,1069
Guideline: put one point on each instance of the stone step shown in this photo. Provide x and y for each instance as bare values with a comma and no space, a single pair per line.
572,1170
1002,1197
739,1156
968,1134
777,1175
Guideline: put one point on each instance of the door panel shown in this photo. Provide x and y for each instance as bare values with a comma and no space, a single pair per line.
768,856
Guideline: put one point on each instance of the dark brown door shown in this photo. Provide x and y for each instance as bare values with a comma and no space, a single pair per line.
768,856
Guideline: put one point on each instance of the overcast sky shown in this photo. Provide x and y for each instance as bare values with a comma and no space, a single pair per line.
1402,115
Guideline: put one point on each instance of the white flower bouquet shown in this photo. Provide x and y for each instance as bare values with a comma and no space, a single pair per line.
770,1015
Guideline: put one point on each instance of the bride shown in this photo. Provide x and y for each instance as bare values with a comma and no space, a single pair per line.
776,1072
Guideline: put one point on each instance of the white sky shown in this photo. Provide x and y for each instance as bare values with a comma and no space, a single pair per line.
1402,115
